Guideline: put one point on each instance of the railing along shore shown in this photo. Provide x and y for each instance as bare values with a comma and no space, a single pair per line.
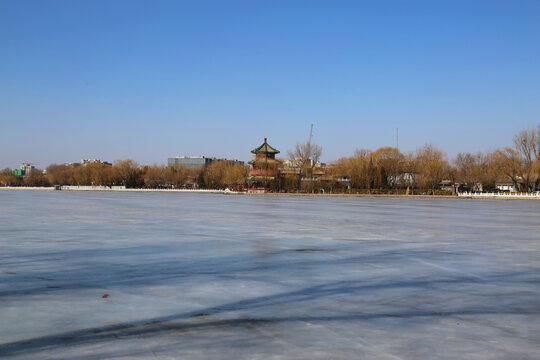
501,195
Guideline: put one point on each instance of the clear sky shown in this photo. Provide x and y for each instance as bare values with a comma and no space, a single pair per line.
152,79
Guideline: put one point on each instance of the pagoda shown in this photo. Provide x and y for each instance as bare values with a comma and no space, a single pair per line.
264,167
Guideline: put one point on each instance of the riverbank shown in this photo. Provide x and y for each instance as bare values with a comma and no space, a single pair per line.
460,196
500,196
100,188
357,195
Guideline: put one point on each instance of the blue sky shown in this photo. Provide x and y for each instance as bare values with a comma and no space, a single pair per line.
151,79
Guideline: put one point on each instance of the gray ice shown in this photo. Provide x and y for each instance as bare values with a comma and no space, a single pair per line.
201,276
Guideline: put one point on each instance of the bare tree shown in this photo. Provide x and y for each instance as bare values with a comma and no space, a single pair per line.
527,142
305,154
304,157
356,168
128,173
432,165
157,176
7,178
36,178
392,162
507,162
470,169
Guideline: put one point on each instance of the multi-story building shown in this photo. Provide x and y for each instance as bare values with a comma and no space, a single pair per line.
24,170
190,161
193,162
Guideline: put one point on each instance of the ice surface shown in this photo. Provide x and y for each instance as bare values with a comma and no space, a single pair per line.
200,276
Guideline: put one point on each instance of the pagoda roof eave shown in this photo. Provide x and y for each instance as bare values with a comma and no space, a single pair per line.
265,148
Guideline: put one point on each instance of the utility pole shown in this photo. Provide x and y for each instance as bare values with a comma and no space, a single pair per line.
397,138
308,150
309,170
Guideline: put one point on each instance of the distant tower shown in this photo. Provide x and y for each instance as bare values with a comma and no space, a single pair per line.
263,167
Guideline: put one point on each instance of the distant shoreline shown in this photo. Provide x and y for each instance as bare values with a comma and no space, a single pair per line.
224,192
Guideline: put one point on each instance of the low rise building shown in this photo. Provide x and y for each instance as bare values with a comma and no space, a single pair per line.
94,161
509,186
85,162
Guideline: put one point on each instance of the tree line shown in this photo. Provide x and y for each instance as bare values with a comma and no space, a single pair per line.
131,174
385,170
426,168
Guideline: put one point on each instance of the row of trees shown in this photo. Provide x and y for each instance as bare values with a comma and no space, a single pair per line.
385,169
132,175
519,165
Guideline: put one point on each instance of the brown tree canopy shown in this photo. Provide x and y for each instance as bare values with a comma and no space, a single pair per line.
431,165
223,173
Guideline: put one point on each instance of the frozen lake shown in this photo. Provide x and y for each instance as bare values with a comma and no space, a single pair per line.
199,276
